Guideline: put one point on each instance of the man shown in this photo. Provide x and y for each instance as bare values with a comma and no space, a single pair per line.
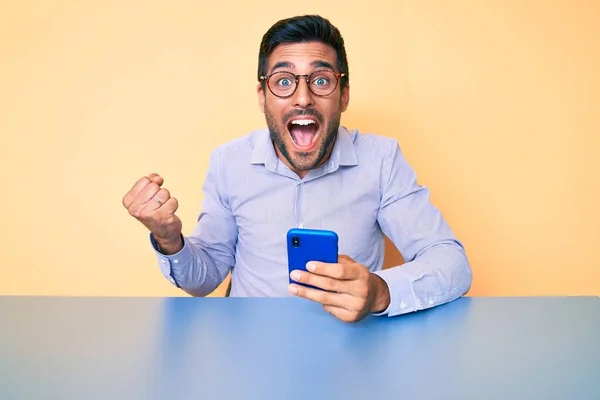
305,170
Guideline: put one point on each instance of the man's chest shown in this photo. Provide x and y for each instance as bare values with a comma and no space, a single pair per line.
269,205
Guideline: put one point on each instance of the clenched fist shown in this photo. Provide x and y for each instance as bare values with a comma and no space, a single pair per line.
154,207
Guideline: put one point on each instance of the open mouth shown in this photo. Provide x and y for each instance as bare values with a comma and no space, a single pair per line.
304,133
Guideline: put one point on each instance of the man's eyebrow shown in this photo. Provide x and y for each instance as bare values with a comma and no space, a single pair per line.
314,64
322,64
282,64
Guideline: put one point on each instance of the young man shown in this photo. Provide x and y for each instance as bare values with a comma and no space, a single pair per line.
305,170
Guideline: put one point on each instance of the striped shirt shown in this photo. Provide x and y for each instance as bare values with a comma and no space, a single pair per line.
364,191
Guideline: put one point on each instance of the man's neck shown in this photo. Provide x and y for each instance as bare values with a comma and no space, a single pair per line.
303,173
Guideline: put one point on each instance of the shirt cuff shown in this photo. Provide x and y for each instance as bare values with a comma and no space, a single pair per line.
169,262
402,296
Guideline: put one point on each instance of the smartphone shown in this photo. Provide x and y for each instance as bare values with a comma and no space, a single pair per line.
304,245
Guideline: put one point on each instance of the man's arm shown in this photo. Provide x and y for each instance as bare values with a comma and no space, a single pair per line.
437,270
208,253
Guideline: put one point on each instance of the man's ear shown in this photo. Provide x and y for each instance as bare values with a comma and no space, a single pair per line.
345,100
261,97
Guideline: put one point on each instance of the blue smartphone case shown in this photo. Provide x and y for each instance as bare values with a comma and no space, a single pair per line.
304,245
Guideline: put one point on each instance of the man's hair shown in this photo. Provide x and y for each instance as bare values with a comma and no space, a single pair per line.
303,29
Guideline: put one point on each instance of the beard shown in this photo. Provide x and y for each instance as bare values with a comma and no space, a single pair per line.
303,161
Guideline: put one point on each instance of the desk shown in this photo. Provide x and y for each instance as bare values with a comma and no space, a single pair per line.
289,348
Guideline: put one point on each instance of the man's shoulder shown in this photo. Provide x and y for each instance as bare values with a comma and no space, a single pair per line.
241,146
373,142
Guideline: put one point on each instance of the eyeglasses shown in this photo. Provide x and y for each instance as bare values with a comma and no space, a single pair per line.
284,84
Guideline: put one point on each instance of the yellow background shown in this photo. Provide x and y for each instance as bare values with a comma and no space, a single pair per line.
496,105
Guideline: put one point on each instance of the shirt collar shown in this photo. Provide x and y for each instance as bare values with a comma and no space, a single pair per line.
264,152
343,153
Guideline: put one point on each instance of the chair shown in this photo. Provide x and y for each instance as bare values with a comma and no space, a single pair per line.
228,291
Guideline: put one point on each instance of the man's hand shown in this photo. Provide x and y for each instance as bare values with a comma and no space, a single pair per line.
351,290
154,207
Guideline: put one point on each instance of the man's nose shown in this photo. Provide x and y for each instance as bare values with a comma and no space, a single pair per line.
303,97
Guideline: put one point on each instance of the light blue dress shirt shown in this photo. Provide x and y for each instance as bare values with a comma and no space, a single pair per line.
364,191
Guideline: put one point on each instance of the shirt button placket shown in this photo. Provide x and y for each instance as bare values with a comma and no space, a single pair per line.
299,205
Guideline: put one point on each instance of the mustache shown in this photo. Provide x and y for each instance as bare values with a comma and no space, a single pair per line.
304,113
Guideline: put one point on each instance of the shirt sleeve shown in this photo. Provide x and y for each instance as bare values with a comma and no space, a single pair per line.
437,270
208,253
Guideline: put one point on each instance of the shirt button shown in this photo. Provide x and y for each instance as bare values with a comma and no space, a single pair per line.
175,261
430,301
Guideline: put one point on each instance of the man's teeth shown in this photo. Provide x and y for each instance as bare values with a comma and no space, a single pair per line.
303,122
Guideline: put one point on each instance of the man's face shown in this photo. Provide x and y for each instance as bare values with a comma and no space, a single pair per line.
304,126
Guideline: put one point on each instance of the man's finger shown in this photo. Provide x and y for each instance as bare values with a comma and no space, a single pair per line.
156,178
320,281
335,270
141,201
135,190
147,193
354,287
342,313
340,300
162,196
171,205
320,296
344,259
158,200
